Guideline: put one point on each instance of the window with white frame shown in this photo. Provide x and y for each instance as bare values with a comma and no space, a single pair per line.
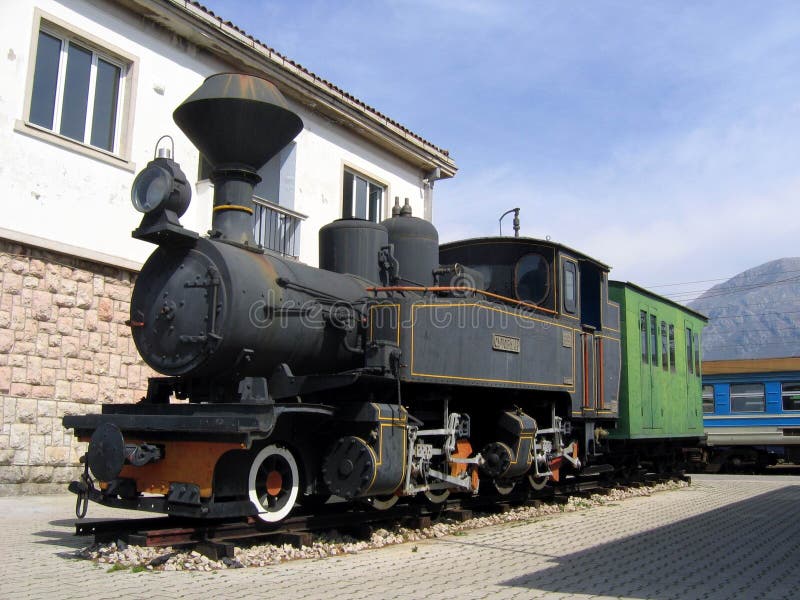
747,397
790,394
77,90
708,399
362,197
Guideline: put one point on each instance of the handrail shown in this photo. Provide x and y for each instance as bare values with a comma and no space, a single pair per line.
445,288
276,227
278,208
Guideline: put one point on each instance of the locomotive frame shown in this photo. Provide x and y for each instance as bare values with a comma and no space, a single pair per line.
398,369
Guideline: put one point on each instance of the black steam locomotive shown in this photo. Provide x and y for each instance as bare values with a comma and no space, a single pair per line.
398,368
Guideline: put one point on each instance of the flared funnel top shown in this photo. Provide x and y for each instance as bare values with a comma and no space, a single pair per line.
237,120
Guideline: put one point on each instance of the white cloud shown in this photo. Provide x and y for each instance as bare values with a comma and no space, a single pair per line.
663,138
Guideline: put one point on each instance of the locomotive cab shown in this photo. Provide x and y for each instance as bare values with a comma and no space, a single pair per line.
568,291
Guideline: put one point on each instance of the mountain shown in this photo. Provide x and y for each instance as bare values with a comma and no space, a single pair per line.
755,314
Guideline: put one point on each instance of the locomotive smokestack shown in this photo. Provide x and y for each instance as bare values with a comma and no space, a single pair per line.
238,122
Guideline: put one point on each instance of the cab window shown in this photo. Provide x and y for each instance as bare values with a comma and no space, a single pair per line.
532,281
570,285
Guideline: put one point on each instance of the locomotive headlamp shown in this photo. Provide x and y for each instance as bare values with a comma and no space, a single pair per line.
161,185
151,188
162,192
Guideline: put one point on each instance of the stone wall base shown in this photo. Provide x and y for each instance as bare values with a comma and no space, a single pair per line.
64,350
30,489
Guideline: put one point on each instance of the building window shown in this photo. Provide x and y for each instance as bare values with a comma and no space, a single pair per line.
672,347
664,354
689,352
790,394
747,397
77,90
570,287
362,198
708,399
643,335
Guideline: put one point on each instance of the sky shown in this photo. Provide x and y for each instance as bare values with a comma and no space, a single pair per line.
662,138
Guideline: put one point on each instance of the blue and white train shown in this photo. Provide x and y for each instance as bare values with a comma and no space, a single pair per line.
751,412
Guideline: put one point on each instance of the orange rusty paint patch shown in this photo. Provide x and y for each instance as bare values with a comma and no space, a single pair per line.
555,466
185,462
274,483
463,450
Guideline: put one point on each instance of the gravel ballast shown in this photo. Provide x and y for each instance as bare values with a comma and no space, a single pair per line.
332,543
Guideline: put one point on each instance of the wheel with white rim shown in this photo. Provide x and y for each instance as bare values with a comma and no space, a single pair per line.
383,502
437,496
504,488
538,483
274,483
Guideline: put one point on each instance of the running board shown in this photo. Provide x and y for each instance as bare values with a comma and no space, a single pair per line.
597,469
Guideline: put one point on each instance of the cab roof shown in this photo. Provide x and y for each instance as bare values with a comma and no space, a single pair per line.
523,241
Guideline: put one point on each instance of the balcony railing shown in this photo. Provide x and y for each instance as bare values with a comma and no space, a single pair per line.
277,228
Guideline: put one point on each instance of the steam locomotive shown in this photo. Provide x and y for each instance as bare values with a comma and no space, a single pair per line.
398,368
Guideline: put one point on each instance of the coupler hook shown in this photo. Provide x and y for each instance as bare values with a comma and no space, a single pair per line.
86,484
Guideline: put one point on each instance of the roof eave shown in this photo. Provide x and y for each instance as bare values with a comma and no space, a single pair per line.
660,298
247,55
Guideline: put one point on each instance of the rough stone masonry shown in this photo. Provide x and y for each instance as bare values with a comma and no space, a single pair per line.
64,349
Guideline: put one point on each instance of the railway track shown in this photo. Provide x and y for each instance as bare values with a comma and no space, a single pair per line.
217,538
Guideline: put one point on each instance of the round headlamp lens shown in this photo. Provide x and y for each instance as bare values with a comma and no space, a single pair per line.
151,188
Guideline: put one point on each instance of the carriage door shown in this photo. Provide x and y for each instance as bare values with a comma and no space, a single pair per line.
646,374
692,375
589,378
591,294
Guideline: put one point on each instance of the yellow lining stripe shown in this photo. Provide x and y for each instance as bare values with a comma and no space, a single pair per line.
395,422
414,307
249,211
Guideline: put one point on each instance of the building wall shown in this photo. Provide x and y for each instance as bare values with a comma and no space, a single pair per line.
64,349
51,192
322,153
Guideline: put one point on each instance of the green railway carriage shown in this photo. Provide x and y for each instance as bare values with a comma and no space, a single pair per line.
660,384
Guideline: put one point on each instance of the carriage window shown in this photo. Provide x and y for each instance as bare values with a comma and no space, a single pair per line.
790,393
569,287
643,334
689,362
533,278
672,348
708,399
654,340
697,354
664,355
747,397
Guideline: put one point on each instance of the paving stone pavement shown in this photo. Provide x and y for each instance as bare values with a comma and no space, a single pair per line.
723,537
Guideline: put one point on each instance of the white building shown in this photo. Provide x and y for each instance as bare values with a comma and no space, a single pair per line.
88,87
